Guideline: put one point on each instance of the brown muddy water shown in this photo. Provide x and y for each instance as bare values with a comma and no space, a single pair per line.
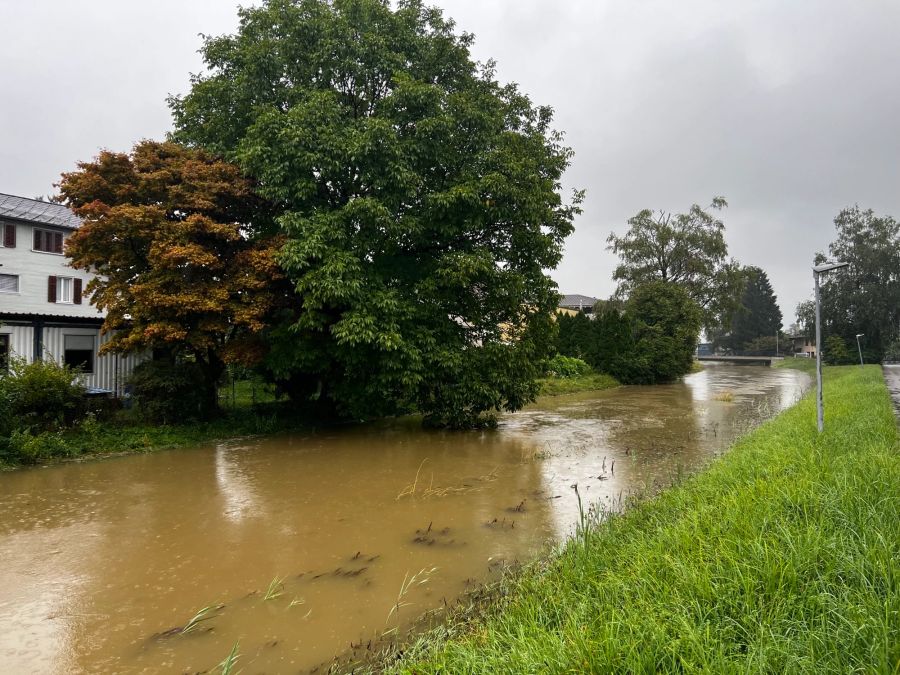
99,561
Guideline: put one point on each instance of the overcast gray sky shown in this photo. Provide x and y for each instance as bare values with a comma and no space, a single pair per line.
788,108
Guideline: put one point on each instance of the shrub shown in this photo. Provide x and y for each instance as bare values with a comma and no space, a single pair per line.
28,448
40,396
566,366
168,392
892,353
835,352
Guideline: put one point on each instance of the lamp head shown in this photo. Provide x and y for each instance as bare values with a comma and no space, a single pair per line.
828,266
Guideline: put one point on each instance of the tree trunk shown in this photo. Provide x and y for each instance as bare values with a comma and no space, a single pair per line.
212,368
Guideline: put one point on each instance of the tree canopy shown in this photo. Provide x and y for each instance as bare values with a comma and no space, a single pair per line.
687,249
165,229
651,339
757,316
420,201
865,297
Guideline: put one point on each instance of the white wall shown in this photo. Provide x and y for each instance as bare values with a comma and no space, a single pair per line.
33,269
21,340
106,367
110,370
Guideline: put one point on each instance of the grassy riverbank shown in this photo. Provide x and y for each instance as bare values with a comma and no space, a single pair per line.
554,386
247,410
784,556
126,434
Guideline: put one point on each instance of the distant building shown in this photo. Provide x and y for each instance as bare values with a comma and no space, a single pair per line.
43,311
804,345
578,303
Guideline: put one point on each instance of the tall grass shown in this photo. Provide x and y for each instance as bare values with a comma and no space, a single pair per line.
783,557
555,386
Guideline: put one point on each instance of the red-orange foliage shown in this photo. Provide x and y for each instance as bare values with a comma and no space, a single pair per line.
167,228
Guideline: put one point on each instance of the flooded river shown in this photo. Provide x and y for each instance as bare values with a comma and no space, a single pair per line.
304,544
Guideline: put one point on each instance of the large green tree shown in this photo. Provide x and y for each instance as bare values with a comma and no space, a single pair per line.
864,298
421,200
687,249
758,314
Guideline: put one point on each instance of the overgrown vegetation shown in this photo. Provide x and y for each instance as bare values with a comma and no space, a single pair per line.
863,298
782,557
555,386
38,401
420,200
649,339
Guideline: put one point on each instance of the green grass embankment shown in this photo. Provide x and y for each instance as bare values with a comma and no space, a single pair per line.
784,556
554,386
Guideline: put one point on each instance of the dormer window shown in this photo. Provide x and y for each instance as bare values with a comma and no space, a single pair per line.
48,241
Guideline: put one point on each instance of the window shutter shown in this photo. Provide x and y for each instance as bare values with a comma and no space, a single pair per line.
9,236
76,293
51,289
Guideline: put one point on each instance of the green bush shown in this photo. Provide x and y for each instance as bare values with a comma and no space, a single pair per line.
40,396
835,352
167,392
566,366
27,448
892,353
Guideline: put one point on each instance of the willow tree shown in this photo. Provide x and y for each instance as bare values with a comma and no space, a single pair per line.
420,198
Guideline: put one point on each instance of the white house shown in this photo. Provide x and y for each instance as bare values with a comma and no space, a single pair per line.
43,311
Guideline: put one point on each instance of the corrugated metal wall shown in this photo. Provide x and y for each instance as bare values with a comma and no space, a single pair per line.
110,370
21,340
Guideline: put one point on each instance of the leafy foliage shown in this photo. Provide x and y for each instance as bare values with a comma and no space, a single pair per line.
865,297
688,249
806,317
757,316
167,228
566,366
37,400
666,325
892,353
835,351
652,340
420,200
167,392
41,396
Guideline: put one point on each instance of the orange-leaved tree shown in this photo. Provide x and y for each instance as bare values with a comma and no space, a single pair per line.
182,266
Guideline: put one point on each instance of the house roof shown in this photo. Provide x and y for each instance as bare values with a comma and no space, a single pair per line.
577,301
35,211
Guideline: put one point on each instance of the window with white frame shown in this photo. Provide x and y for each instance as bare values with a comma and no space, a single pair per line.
79,352
9,283
64,287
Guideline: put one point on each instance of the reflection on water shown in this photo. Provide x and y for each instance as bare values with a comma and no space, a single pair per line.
101,559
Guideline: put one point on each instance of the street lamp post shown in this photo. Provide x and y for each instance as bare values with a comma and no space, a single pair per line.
820,408
859,335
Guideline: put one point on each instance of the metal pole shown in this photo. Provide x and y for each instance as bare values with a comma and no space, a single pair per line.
860,350
820,414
